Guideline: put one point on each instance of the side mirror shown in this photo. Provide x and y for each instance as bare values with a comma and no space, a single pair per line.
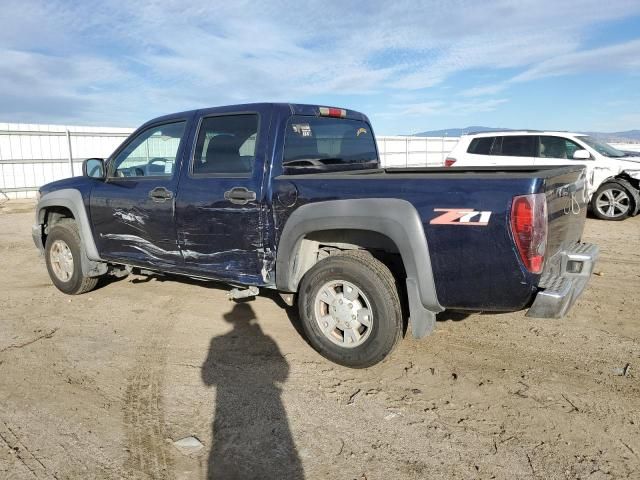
581,155
93,168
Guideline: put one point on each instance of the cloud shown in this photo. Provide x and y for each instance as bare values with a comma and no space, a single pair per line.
454,108
611,59
624,56
123,61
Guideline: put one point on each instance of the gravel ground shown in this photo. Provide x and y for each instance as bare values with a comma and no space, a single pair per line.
102,385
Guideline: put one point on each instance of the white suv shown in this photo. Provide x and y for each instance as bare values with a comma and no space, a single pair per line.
613,177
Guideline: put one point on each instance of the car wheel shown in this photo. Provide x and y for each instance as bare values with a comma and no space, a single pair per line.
612,201
62,255
350,309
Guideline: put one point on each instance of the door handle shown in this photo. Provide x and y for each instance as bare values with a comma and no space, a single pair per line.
160,194
240,195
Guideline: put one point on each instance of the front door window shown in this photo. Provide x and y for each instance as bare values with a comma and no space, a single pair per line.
151,154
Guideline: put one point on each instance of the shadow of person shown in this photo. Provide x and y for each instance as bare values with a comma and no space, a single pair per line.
251,435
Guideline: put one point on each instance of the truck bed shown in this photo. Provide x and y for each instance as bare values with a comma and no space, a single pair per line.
488,276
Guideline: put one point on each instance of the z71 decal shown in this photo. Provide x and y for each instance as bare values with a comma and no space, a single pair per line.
461,216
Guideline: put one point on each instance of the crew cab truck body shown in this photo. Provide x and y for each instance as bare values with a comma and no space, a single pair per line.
291,197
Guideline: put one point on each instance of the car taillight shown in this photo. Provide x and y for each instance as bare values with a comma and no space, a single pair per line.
529,228
449,162
332,112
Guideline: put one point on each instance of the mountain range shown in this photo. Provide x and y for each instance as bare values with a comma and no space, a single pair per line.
629,136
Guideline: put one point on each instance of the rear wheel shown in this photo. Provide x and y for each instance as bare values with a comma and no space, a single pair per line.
62,254
612,201
350,309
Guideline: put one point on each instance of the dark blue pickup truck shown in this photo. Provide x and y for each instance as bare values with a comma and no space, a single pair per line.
292,198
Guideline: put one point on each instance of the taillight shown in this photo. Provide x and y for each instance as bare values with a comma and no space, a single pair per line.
332,112
449,162
529,228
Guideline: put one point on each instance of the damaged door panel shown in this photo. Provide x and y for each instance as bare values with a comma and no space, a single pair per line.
132,211
219,205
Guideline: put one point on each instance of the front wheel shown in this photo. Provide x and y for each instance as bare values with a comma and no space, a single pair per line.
62,254
350,309
612,201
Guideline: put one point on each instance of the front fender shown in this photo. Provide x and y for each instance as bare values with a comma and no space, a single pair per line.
71,199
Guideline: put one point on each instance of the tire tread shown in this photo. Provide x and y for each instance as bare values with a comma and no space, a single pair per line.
387,295
69,225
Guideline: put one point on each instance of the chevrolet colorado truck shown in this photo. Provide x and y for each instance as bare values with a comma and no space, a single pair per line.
292,198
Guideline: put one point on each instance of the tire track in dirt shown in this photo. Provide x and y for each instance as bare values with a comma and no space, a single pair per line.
22,452
144,407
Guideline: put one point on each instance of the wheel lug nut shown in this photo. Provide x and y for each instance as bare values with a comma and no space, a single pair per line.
351,305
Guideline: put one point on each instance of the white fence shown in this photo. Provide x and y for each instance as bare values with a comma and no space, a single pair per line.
32,155
414,151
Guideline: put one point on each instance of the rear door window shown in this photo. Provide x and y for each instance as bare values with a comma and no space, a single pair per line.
481,146
518,146
317,144
226,145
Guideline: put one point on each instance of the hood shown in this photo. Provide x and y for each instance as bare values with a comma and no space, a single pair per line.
78,183
627,162
630,153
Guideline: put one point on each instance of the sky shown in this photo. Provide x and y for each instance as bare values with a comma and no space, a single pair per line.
410,66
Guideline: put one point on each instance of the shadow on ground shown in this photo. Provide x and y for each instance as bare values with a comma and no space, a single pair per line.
251,434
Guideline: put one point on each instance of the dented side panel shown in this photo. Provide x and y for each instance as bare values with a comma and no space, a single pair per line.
221,239
129,225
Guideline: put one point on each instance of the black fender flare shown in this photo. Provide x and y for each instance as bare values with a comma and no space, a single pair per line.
394,218
71,199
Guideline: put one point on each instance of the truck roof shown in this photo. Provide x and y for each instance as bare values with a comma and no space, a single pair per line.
285,108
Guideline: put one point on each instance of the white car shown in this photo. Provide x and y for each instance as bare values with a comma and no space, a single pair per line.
613,177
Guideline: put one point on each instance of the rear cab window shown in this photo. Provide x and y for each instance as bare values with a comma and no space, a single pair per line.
322,144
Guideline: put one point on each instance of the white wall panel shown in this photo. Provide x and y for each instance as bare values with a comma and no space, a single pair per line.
32,155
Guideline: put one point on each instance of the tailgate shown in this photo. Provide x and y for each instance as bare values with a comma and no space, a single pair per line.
567,201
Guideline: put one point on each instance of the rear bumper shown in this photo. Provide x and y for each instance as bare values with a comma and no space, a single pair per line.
563,284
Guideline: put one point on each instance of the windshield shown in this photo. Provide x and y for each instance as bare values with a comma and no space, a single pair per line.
602,148
321,144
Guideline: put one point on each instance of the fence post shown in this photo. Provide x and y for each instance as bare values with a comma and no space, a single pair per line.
426,151
406,149
70,151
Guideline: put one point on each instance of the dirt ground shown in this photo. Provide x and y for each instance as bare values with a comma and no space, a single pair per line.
101,385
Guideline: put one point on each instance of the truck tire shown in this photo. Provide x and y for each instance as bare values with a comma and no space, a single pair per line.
350,309
612,201
62,254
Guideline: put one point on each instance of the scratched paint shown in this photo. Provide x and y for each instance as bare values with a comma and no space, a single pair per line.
133,215
141,244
